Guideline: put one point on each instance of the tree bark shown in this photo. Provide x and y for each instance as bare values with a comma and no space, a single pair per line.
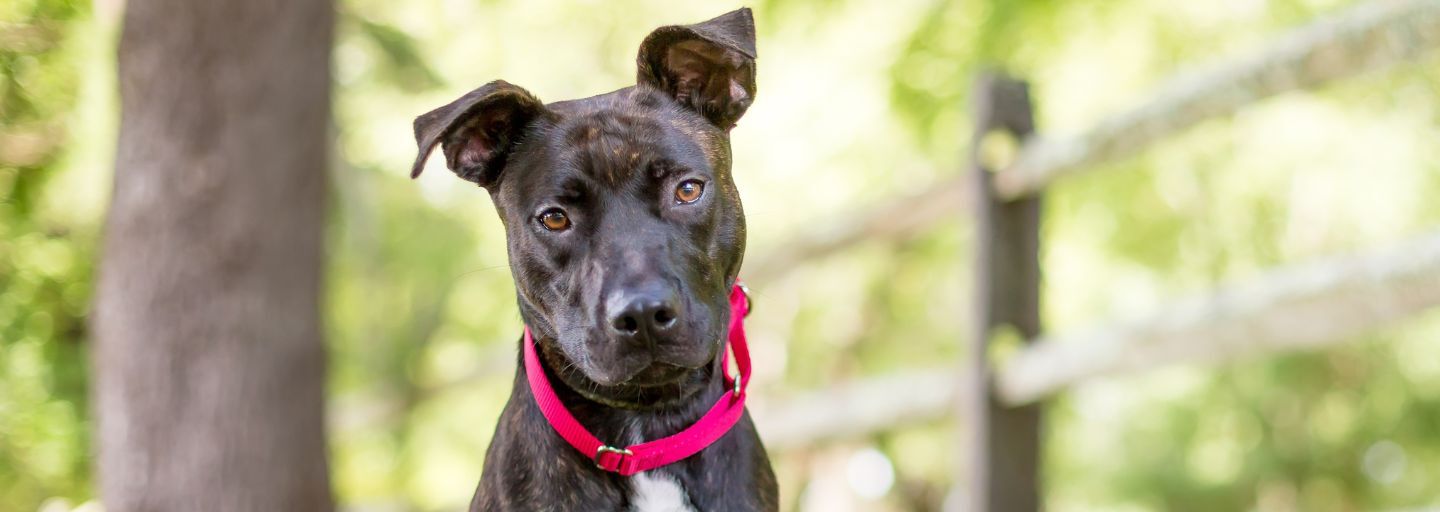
208,355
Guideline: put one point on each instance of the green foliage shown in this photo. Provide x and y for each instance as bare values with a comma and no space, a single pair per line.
44,262
402,65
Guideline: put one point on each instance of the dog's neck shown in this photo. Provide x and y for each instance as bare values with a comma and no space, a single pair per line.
623,416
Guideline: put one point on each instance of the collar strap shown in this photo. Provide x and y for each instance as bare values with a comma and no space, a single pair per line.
646,456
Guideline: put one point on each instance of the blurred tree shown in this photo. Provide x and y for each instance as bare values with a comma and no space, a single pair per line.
209,383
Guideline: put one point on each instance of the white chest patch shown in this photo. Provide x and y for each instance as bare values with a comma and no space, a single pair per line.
657,493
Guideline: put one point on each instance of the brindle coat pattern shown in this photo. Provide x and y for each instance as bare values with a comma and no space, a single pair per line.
611,162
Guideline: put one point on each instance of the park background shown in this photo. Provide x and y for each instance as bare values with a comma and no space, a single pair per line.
858,102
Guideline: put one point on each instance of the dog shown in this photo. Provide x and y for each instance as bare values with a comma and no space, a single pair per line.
625,235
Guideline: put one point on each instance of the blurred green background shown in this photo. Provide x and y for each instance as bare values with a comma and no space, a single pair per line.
858,101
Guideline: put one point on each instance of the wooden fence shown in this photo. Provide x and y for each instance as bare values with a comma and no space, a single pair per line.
1301,306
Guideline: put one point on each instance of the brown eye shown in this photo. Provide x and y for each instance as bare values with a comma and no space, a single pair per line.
689,191
555,220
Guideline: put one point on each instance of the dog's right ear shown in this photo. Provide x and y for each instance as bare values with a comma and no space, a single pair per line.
477,131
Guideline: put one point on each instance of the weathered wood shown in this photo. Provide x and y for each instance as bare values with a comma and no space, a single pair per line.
1368,37
856,409
1292,308
209,367
1002,442
892,220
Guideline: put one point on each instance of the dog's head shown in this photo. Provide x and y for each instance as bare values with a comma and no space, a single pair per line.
624,228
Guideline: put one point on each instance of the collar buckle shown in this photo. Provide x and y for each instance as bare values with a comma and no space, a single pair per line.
749,300
603,449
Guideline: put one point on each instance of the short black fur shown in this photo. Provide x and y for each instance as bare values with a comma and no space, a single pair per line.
627,297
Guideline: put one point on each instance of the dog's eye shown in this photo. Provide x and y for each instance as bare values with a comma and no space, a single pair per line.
689,191
554,220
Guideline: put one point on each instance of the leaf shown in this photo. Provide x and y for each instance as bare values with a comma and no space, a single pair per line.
401,60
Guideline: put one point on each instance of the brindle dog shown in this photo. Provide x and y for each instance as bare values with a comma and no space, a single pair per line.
625,234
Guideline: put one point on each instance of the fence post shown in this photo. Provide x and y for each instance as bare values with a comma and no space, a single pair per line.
1002,443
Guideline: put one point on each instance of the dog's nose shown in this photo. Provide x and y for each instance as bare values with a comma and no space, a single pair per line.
642,315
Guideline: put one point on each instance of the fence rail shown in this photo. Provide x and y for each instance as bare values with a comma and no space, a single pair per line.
1369,37
858,408
1291,308
1296,307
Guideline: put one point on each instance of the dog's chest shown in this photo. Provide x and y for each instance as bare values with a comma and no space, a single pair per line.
657,493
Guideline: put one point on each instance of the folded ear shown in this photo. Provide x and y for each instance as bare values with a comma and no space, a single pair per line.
709,67
477,131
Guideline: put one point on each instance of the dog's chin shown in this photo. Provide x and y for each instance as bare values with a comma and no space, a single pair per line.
646,374
657,374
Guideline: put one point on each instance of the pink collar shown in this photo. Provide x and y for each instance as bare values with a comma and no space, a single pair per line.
646,456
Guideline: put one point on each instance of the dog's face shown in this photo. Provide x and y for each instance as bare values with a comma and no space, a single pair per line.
624,228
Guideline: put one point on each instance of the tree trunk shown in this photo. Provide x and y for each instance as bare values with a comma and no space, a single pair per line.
208,355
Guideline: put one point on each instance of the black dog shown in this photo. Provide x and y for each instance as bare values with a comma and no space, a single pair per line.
625,235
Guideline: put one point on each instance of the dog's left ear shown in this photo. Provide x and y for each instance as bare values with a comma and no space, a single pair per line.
708,67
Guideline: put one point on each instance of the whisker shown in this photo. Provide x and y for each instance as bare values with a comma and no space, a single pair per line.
463,274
